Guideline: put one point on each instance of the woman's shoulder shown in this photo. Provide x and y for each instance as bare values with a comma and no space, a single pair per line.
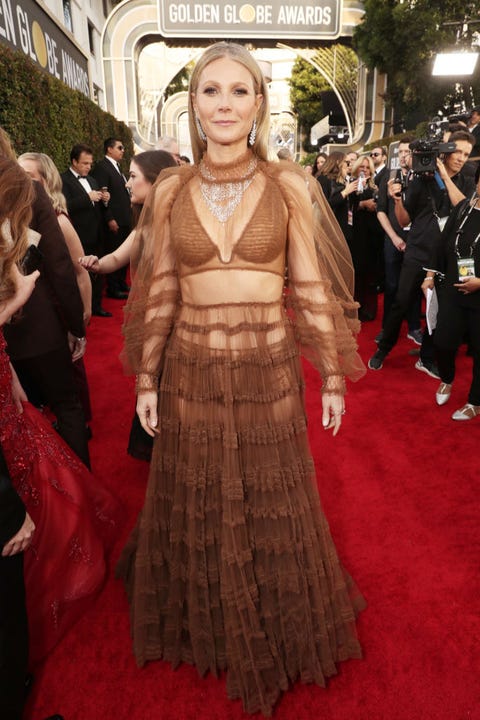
289,176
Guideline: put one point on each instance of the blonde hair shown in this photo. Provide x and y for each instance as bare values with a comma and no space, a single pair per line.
17,196
241,55
356,167
52,182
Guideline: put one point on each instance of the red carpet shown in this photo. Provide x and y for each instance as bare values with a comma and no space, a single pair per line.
400,486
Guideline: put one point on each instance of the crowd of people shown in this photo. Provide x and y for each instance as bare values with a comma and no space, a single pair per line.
237,263
400,224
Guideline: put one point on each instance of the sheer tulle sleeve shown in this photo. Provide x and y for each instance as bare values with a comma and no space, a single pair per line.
154,295
320,285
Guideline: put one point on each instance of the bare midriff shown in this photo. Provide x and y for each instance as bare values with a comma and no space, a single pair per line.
235,286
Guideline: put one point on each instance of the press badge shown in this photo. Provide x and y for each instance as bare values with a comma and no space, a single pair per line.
466,268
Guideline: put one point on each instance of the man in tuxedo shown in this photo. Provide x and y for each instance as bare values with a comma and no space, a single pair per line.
379,158
85,202
117,214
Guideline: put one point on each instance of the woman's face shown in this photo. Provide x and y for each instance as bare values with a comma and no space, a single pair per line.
320,161
365,168
226,104
138,184
345,167
31,168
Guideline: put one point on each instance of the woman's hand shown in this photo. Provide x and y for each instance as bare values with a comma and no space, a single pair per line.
25,285
470,285
90,263
350,187
18,393
427,284
21,540
333,409
147,404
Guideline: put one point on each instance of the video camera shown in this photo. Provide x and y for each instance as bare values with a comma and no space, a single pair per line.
425,154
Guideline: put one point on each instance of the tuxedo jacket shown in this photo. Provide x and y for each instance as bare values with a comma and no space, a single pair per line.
118,207
379,177
86,216
55,305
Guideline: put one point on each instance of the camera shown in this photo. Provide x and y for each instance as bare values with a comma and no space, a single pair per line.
425,154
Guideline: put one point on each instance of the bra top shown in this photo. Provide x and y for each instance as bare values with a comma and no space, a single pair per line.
262,242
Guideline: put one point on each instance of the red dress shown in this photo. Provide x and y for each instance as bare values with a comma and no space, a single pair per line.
74,516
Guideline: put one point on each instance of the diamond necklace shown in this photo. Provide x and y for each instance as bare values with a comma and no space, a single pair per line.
222,197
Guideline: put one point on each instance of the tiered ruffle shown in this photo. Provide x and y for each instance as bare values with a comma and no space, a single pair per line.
231,565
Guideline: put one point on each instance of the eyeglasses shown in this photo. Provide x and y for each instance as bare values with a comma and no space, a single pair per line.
375,154
120,147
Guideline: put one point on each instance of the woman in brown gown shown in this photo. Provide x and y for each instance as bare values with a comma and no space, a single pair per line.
231,565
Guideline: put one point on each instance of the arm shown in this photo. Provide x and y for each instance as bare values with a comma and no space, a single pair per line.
57,266
111,262
16,526
75,249
24,288
319,295
339,196
454,193
153,299
18,393
103,175
400,212
387,227
77,199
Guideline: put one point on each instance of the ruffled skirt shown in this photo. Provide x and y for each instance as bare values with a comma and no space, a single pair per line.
231,565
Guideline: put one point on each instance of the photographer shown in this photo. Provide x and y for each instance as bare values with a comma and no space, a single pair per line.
425,206
395,242
456,257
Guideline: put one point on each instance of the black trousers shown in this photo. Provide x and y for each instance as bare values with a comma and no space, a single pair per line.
13,634
411,277
51,376
117,280
97,282
393,268
453,322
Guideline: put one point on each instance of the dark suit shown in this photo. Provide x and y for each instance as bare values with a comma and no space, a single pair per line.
476,134
86,218
13,615
37,342
118,209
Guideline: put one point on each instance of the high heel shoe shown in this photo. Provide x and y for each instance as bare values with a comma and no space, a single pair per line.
467,412
443,393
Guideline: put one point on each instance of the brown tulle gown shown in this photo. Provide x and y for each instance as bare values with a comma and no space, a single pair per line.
231,565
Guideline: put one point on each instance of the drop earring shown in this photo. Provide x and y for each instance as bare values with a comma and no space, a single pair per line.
200,130
253,133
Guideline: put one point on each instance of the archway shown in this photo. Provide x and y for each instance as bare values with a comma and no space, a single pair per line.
134,25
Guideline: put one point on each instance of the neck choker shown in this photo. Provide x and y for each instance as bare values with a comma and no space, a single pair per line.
223,186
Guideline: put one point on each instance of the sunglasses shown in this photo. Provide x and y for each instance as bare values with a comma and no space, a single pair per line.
120,147
375,154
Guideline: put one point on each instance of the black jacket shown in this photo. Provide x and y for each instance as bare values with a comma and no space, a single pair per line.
55,305
118,208
86,216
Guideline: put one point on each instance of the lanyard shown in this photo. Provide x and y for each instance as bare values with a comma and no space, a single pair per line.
460,230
